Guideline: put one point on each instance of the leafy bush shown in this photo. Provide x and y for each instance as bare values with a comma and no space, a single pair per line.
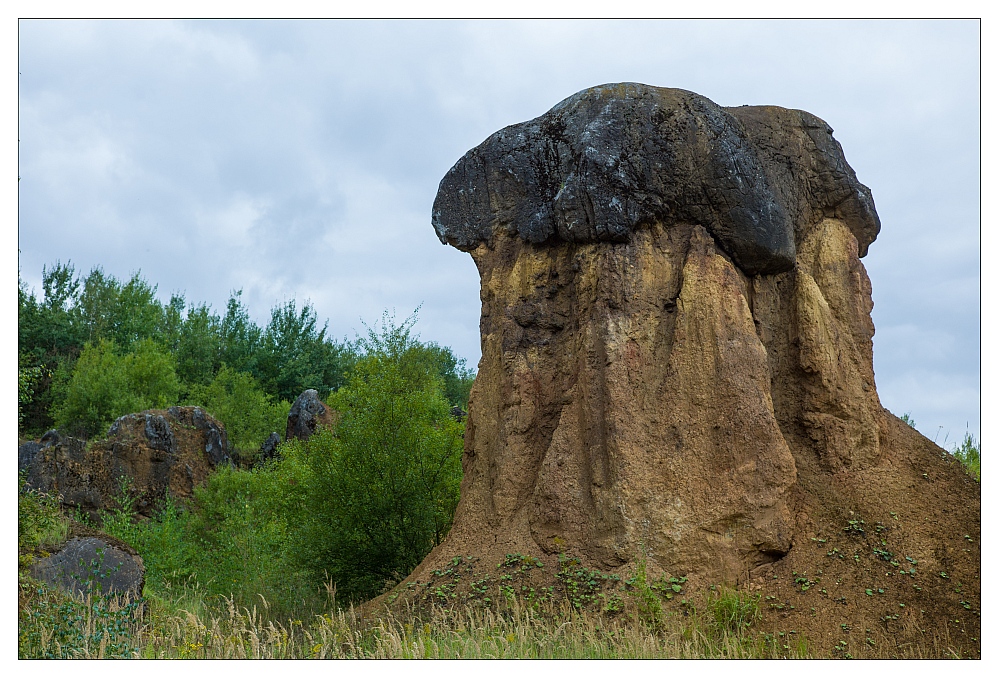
247,412
27,378
230,545
381,492
105,385
968,454
39,521
54,625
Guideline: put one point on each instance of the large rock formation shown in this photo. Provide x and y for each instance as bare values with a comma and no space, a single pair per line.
154,451
677,356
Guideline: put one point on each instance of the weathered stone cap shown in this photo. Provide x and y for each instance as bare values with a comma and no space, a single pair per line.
613,158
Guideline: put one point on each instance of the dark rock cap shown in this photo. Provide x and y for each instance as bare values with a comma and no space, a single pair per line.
613,158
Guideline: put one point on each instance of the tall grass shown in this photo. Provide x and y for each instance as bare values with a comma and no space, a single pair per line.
513,631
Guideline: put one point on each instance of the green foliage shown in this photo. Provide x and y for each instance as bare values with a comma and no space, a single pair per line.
123,313
105,385
54,625
27,378
242,528
294,355
198,346
230,546
239,337
908,420
732,611
455,376
647,601
381,492
248,413
39,521
48,339
968,454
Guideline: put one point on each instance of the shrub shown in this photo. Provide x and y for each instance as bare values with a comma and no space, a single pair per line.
381,491
105,385
231,544
39,521
968,454
247,412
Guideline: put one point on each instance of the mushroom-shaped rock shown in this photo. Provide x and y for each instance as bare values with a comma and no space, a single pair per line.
676,364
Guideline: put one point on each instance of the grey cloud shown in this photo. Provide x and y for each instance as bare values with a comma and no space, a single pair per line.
300,159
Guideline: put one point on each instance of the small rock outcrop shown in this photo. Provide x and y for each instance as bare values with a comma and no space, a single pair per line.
93,564
307,412
155,451
677,365
269,449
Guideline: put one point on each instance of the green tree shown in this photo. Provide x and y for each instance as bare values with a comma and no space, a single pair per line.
198,345
455,375
295,354
240,337
248,413
104,385
124,313
381,491
27,377
49,339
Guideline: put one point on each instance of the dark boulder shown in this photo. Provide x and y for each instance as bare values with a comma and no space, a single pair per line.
95,565
307,412
269,450
50,437
26,454
155,452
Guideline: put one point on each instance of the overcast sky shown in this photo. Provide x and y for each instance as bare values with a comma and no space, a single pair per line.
299,160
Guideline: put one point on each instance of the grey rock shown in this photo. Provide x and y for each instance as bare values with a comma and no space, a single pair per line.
92,565
613,158
158,433
26,454
306,413
49,438
269,450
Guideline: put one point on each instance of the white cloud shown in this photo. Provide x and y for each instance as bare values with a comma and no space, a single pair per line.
300,159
